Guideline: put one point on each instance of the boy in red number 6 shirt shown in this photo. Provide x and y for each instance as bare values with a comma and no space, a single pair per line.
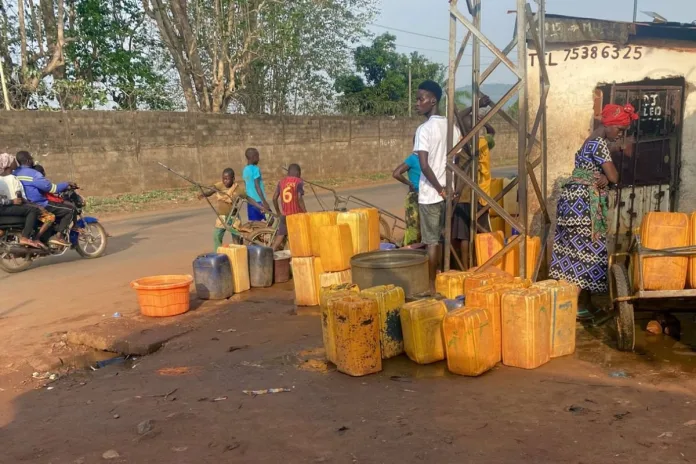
290,191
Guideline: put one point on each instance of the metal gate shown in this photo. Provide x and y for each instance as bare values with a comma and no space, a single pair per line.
649,178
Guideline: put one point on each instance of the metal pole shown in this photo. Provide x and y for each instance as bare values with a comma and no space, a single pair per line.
522,133
475,73
4,87
542,52
635,10
452,70
543,257
410,91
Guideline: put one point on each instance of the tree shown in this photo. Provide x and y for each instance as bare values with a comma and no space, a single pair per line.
32,39
258,55
381,87
307,45
113,56
77,54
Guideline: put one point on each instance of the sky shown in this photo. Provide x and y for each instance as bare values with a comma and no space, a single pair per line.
431,17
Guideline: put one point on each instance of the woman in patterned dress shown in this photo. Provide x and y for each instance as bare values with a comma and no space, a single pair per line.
580,247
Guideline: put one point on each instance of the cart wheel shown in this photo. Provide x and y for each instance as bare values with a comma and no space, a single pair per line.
625,321
385,232
265,236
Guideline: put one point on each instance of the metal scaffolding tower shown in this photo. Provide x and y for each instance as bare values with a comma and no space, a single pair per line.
528,27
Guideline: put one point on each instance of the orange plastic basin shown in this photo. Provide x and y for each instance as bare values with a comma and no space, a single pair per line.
164,295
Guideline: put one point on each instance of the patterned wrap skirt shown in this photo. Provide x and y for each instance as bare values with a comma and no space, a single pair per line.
577,258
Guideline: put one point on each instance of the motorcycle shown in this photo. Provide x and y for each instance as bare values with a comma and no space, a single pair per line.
87,236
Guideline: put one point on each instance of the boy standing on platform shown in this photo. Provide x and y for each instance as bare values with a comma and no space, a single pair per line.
255,189
431,147
290,192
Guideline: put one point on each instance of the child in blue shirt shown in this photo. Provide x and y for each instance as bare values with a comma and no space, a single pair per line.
411,165
254,185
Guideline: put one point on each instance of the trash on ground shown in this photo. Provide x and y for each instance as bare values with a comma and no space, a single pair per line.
234,348
690,423
166,395
174,371
619,374
49,388
145,426
108,362
577,410
117,314
111,454
250,364
665,435
232,447
220,398
266,391
44,376
654,328
226,330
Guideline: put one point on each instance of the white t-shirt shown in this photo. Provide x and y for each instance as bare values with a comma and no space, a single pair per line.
9,186
431,136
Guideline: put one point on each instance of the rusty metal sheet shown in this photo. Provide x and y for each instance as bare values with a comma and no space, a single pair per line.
582,30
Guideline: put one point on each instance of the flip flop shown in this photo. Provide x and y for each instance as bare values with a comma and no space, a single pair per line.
29,243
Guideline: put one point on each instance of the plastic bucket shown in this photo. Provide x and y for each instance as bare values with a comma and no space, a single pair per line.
281,266
164,295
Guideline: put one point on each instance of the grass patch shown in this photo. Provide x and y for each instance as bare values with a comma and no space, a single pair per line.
139,201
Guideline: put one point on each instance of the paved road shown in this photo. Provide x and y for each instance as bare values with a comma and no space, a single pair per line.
57,294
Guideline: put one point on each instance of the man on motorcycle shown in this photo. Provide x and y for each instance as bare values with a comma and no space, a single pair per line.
36,186
12,201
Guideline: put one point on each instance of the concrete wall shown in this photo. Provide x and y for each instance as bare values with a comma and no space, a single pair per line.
116,152
570,101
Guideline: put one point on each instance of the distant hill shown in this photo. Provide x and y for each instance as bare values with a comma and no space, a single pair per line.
495,91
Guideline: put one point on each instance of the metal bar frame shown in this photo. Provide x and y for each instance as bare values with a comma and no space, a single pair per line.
529,28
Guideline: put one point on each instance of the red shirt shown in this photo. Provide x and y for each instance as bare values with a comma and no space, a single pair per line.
290,189
53,198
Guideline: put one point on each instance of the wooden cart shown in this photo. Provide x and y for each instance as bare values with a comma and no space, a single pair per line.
626,294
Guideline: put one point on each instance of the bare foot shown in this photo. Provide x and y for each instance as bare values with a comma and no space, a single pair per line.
28,242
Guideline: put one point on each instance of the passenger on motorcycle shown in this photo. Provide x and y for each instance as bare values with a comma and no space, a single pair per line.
55,198
12,201
36,186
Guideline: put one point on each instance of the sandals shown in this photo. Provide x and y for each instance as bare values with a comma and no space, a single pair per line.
29,243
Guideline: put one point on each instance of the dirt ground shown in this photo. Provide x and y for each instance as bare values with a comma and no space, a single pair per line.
186,403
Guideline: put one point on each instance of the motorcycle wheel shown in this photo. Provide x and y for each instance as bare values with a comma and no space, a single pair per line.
13,264
92,243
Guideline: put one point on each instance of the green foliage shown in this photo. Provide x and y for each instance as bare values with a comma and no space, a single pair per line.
82,54
112,55
381,87
304,45
514,110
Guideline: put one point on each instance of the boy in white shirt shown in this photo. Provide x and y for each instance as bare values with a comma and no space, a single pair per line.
431,148
12,201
